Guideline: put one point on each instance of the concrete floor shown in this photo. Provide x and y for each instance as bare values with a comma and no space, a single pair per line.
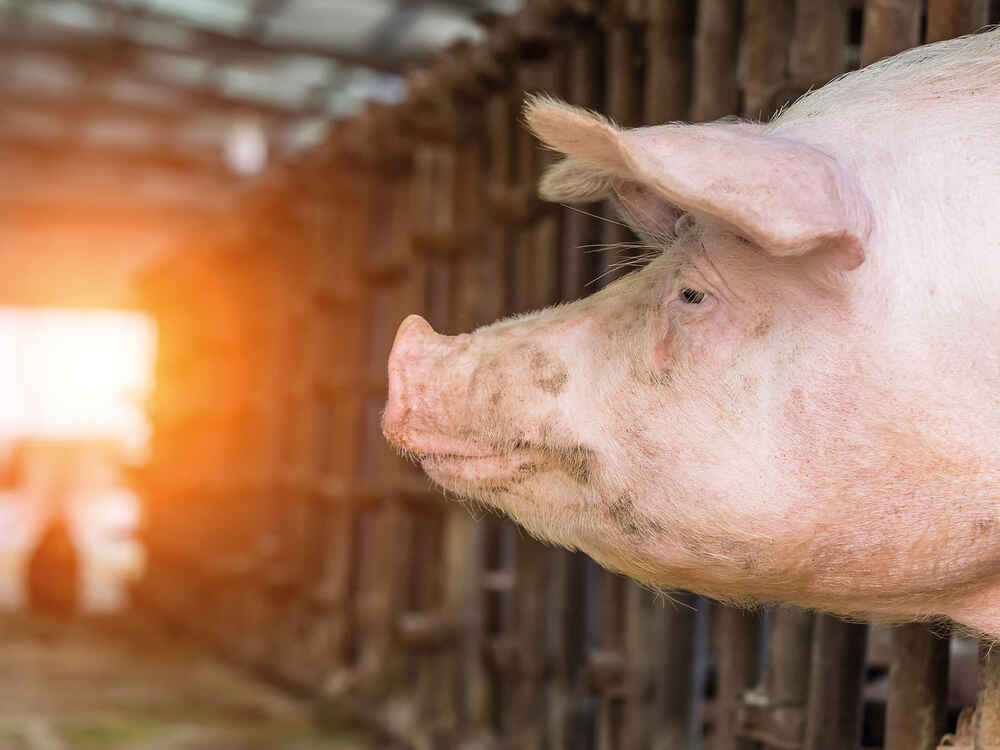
123,684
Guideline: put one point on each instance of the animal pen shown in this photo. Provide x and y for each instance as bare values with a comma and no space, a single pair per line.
282,528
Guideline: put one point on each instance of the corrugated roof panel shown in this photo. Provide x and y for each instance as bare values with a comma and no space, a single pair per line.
304,71
221,15
71,14
124,88
260,84
364,85
433,28
41,72
158,33
127,132
205,131
338,24
303,135
504,6
185,69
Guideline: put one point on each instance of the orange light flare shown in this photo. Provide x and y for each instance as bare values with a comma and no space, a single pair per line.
75,374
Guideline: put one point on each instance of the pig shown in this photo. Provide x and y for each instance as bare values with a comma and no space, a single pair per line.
797,400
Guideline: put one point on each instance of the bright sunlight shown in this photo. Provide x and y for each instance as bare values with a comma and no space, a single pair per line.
75,374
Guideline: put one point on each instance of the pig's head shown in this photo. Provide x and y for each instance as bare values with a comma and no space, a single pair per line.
641,424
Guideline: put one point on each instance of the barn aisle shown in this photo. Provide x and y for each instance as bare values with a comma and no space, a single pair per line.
123,684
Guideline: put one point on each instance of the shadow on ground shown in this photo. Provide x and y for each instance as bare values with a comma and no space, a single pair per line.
123,684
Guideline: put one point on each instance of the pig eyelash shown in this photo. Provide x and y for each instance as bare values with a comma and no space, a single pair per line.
642,259
595,216
692,296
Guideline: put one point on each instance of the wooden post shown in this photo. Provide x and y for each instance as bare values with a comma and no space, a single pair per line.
676,700
623,98
818,52
775,712
890,26
768,26
918,689
947,19
716,89
499,577
987,726
737,641
833,720
580,230
669,61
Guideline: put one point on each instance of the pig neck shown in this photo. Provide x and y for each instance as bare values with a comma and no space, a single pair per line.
915,528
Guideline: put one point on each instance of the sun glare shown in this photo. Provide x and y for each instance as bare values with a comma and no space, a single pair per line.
75,374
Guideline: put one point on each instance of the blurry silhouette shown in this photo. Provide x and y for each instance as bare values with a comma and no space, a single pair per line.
54,571
68,524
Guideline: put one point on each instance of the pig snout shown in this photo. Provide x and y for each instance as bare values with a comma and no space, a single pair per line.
473,395
418,368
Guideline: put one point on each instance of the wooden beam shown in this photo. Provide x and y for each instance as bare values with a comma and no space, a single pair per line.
38,178
118,189
46,152
216,44
97,57
48,215
93,103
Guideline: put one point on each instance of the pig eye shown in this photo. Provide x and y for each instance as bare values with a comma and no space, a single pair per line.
692,296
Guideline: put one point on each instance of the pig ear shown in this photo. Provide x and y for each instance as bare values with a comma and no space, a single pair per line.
786,196
585,137
574,181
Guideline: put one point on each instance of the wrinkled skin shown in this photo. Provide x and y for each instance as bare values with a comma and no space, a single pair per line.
797,400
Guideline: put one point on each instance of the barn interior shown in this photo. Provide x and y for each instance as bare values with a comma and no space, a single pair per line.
213,216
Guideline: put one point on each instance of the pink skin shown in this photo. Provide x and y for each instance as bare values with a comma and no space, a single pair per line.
819,428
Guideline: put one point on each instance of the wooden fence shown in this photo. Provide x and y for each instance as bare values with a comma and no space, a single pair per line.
282,528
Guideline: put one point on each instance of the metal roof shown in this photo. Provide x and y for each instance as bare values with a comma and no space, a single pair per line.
177,73
127,123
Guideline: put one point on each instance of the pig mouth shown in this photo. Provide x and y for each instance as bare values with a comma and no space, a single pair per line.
510,464
466,463
448,468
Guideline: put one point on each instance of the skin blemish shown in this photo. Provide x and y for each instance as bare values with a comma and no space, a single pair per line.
764,325
982,527
549,373
623,514
579,463
628,519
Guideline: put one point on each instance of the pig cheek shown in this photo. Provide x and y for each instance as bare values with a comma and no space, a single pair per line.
490,390
663,356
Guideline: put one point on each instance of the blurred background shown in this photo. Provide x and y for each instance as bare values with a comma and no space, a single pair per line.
213,216
125,128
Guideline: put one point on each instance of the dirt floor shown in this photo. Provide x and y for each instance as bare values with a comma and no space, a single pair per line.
126,685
